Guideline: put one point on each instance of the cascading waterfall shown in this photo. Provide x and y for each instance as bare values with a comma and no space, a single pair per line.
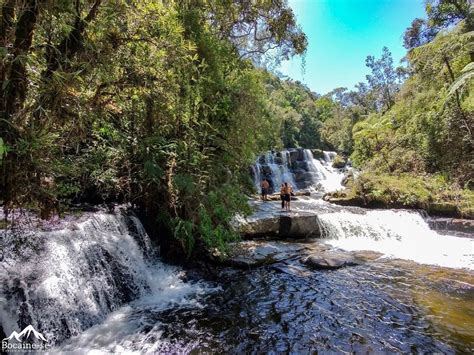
327,177
278,169
65,281
398,234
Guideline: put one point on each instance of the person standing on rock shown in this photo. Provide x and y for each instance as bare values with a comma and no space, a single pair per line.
265,186
288,190
282,195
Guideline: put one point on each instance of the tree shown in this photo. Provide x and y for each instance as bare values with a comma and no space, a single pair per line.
138,102
384,79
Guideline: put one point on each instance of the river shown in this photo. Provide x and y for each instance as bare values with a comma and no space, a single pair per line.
96,284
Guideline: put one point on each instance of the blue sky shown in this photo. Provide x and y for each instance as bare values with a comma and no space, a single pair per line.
342,33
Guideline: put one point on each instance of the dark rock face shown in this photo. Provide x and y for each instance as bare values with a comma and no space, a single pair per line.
452,224
256,253
294,156
292,226
317,153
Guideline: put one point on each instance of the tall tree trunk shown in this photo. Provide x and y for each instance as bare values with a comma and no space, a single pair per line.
6,22
17,86
58,56
14,94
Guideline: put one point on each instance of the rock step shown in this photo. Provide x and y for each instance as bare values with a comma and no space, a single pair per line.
283,226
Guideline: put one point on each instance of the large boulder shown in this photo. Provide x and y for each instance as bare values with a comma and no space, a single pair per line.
255,253
317,153
285,225
338,162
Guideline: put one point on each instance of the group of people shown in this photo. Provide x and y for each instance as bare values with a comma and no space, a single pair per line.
286,191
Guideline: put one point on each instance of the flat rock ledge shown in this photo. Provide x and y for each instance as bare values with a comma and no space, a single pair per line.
335,259
291,254
292,225
437,209
250,253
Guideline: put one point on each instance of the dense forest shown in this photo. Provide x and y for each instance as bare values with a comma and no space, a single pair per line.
164,105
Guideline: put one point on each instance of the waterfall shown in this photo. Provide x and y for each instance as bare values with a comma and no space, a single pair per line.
327,178
66,280
274,168
329,156
299,168
397,234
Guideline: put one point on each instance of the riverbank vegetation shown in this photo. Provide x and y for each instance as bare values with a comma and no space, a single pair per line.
158,104
164,105
414,141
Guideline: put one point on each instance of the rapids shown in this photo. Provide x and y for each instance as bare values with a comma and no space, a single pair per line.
95,284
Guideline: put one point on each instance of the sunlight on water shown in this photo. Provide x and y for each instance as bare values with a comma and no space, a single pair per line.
397,234
66,280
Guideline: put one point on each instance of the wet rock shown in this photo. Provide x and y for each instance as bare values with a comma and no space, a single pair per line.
293,156
452,224
266,171
309,177
303,165
292,225
301,154
299,175
317,153
338,162
330,261
256,253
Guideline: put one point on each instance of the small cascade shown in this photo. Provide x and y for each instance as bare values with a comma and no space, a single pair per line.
66,280
329,156
398,234
331,178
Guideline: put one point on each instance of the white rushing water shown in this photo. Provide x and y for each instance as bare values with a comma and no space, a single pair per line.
65,281
319,174
328,179
280,171
397,234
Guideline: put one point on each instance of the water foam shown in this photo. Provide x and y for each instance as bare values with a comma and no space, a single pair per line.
65,281
396,234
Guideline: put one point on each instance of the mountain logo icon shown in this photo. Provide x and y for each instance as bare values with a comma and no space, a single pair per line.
30,330
13,335
28,339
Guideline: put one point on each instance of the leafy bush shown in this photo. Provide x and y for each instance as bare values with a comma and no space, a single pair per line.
338,162
411,191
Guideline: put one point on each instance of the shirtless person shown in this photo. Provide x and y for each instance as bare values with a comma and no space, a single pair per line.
265,186
287,189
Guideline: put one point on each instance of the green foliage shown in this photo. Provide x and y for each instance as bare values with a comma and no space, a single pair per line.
429,128
429,192
338,162
3,149
156,104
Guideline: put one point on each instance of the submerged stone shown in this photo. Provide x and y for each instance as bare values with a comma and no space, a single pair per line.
328,261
